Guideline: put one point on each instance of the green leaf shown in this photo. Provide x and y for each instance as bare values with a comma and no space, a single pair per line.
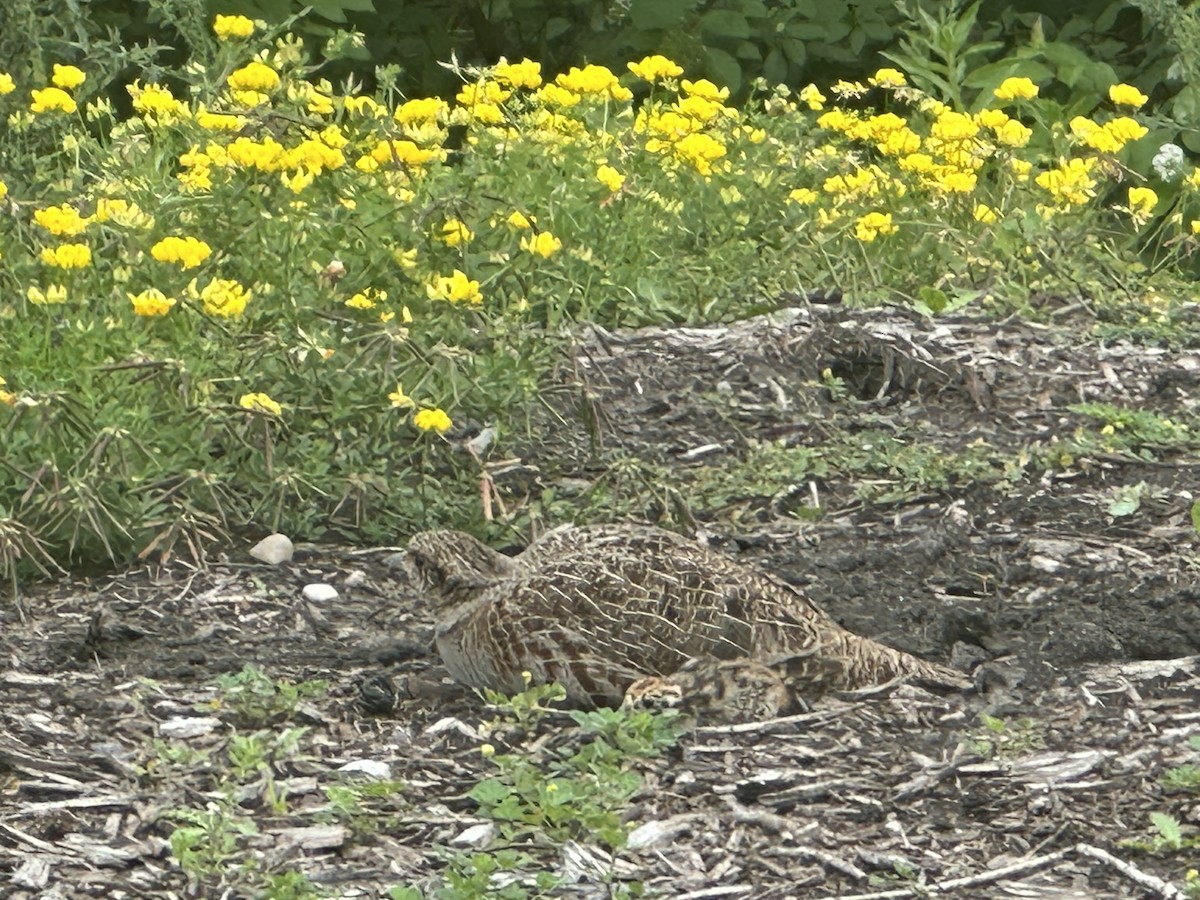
724,23
1196,516
1168,827
723,69
490,792
934,299
647,15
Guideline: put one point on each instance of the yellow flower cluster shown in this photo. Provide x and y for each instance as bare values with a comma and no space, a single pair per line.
655,68
367,298
62,221
222,297
454,233
68,256
1112,136
7,398
232,27
542,244
260,402
433,420
151,303
188,252
593,81
55,293
55,98
255,77
1071,183
873,224
455,288
156,104
525,74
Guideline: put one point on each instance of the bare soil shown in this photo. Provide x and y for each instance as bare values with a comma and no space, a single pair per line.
1026,578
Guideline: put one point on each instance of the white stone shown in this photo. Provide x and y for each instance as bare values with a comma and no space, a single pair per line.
320,593
273,549
188,726
369,768
477,836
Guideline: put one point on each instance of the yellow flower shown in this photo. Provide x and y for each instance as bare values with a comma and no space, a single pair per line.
401,400
52,98
1127,95
606,175
701,150
63,221
803,196
55,293
433,420
888,78
554,95
222,297
845,88
421,111
873,224
151,302
402,153
67,77
260,402
68,256
229,27
700,108
1013,134
706,89
1142,201
255,76
156,103
3,189
518,220
487,750
1125,129
812,95
367,298
188,252
1195,226
985,214
363,106
1016,89
593,79
652,68
6,397
7,86
956,182
211,121
543,244
526,73
454,233
456,288
1071,183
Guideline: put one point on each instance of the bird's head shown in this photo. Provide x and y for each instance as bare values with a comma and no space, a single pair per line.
452,566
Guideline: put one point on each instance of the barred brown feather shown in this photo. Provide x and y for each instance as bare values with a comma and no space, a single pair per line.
598,607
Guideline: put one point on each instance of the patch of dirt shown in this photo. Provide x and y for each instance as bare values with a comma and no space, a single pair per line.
1028,581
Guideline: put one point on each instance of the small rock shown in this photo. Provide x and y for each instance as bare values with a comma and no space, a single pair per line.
477,836
355,579
320,593
368,768
188,726
273,549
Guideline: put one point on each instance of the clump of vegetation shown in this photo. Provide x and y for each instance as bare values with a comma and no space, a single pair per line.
253,696
208,840
545,798
266,299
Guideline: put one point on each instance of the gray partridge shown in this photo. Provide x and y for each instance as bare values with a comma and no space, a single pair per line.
596,608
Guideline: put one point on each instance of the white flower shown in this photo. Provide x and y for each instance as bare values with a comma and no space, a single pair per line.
1168,162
